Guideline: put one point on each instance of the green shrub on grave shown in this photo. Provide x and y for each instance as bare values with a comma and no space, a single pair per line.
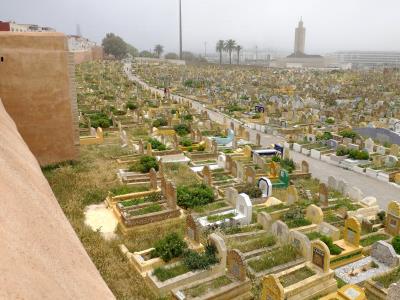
194,195
170,247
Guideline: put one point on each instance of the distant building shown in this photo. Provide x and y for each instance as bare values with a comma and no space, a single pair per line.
299,59
15,27
299,38
84,49
368,59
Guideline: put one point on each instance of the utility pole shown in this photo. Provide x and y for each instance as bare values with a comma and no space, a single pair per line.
180,29
205,49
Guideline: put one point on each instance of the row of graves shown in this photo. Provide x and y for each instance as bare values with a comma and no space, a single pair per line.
354,153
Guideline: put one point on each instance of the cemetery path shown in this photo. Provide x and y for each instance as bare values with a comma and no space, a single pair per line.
383,191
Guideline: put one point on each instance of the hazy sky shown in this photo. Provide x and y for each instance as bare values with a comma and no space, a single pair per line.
331,24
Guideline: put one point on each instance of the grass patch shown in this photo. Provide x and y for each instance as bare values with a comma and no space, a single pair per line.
296,276
388,278
313,235
163,273
240,229
205,287
294,223
210,207
253,243
373,238
127,189
274,258
340,282
147,210
216,218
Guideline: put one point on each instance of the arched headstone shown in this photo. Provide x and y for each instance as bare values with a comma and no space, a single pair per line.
265,185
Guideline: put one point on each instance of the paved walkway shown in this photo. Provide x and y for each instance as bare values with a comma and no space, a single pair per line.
383,191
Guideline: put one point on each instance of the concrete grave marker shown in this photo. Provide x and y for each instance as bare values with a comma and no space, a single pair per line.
265,185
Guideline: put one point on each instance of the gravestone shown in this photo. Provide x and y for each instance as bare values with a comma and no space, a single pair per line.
292,195
153,179
352,231
245,208
258,139
250,175
369,201
221,161
332,183
391,161
123,139
323,194
314,214
329,230
141,149
301,242
149,150
369,145
384,252
304,167
192,229
265,220
218,242
171,195
394,291
332,144
393,218
320,255
272,288
354,193
231,195
163,186
341,186
281,231
381,150
207,177
265,185
236,265
286,153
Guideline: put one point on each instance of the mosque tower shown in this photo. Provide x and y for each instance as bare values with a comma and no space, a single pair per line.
299,38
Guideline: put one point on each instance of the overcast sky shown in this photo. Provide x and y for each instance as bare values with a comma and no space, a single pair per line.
331,24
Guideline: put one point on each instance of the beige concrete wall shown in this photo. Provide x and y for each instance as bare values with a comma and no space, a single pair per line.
40,255
38,91
95,53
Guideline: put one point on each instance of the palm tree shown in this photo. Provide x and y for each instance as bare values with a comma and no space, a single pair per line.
238,48
220,47
229,47
158,49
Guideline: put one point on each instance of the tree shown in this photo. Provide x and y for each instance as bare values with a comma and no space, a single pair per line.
238,49
158,49
220,47
114,45
145,53
171,55
132,50
230,45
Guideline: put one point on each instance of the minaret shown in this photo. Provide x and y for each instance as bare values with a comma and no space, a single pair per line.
299,38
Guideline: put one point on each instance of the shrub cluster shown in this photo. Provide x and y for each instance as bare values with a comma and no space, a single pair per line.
181,129
194,195
145,164
160,122
347,133
156,144
352,153
131,105
99,119
251,190
170,247
186,142
200,261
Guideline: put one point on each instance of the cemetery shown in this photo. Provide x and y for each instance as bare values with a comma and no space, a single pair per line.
206,212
